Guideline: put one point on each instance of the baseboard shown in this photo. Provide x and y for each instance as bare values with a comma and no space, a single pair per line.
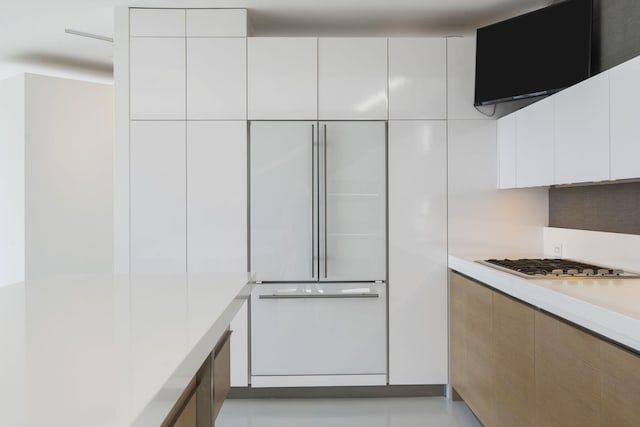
429,390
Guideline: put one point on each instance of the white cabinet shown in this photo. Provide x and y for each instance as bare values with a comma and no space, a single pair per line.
417,78
157,22
352,78
216,78
582,131
216,22
625,120
283,78
339,330
507,151
157,78
158,197
461,67
417,252
535,144
217,196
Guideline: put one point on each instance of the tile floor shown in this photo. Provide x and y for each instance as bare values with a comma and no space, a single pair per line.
371,412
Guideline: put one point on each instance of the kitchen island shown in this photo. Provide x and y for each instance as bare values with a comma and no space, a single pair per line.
533,352
109,350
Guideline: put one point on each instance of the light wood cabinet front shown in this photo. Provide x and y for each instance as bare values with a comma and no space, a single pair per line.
515,365
567,380
513,388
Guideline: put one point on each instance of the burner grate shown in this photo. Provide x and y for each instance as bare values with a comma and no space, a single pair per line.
554,267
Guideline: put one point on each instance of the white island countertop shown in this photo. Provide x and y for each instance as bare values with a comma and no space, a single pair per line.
117,351
609,307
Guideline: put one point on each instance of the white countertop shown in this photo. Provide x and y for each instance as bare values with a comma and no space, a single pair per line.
609,307
108,351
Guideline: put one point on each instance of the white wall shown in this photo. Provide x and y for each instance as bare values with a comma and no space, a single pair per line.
483,221
11,180
609,249
68,176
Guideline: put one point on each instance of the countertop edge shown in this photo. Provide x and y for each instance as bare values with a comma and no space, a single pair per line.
161,404
603,321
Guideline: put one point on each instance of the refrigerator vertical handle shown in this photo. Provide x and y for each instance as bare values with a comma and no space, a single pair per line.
324,204
313,203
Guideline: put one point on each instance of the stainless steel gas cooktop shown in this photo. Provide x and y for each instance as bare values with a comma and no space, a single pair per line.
556,268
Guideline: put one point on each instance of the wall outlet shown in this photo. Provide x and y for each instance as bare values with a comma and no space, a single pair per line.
557,250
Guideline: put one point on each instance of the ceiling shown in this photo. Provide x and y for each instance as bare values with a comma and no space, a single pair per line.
34,39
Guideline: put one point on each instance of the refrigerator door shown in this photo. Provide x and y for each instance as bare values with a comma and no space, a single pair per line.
353,201
283,226
312,329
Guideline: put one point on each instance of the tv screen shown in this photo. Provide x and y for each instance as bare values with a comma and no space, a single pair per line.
535,54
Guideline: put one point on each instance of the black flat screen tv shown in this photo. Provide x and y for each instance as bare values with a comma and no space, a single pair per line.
535,54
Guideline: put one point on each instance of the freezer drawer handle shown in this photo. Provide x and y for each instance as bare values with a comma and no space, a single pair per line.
316,296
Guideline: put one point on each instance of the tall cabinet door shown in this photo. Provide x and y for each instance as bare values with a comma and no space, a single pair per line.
282,165
217,196
353,201
352,78
158,197
282,79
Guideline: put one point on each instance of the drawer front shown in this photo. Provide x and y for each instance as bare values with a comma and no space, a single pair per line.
319,329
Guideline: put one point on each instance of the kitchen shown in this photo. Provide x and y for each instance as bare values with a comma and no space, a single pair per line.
462,171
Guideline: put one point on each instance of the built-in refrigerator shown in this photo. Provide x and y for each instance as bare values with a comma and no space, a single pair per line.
318,247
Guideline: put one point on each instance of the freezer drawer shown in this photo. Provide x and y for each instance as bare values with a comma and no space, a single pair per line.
319,329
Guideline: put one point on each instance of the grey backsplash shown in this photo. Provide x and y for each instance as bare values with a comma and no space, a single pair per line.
616,33
609,207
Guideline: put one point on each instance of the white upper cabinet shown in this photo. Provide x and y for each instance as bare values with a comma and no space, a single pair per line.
461,65
625,120
157,78
535,144
157,22
352,78
283,78
507,151
158,197
582,131
216,78
216,22
417,78
217,196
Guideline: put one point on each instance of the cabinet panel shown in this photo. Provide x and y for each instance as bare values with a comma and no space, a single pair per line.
417,252
216,22
620,386
567,365
156,22
625,120
158,197
458,334
506,128
535,145
514,391
582,132
352,78
216,78
417,78
217,196
157,78
479,357
283,78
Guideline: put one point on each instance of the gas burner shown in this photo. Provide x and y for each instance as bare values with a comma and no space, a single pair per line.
555,268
